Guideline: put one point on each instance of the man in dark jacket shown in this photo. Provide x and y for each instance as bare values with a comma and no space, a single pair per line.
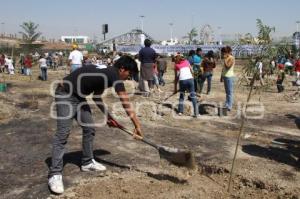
147,57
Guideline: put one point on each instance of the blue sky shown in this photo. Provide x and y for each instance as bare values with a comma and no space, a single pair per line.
85,17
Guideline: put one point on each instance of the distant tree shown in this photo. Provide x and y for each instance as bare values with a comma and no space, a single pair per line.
266,51
264,32
193,33
247,39
30,33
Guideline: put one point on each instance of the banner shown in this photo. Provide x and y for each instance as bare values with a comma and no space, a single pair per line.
237,50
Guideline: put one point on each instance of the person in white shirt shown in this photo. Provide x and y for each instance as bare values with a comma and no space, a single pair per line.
273,65
259,66
185,78
288,66
43,67
10,66
137,76
75,58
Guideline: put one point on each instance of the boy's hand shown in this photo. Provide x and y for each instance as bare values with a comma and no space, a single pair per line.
138,133
112,123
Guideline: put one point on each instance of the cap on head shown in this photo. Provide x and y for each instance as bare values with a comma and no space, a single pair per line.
74,46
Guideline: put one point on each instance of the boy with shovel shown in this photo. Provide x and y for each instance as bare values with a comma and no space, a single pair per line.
70,103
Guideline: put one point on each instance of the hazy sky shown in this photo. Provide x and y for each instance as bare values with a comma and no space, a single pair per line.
85,17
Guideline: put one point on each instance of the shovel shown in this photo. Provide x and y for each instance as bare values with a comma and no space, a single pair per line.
175,156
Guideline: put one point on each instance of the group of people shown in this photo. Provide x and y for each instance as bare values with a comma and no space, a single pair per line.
191,73
283,65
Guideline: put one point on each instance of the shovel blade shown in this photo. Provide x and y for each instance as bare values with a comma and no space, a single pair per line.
177,157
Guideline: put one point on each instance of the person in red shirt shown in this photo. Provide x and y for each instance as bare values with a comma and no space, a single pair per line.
297,68
28,65
2,62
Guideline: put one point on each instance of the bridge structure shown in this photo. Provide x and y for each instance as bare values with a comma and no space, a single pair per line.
133,37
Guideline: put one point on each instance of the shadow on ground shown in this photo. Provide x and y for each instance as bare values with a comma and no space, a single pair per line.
75,157
295,118
284,151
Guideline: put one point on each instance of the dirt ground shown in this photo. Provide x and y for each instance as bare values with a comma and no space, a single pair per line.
263,169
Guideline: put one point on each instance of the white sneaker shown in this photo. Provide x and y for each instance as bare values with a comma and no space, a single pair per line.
56,184
196,116
93,166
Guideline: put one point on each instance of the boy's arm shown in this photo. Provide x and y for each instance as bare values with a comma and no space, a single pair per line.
130,112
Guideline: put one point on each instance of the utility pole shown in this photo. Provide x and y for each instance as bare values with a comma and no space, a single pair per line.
171,31
2,29
297,35
297,22
142,22
219,32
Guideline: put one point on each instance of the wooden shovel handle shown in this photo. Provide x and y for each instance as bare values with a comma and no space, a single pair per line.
129,132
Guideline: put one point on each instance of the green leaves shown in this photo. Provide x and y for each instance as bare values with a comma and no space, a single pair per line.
29,33
264,32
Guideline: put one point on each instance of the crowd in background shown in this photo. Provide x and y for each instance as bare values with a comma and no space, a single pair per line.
191,71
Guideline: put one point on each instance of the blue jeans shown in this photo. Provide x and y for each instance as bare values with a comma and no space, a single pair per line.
44,75
208,76
28,71
155,80
161,77
184,85
75,66
228,84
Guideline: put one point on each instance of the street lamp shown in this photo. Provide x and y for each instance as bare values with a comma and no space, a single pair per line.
297,42
219,31
2,29
142,22
171,30
297,22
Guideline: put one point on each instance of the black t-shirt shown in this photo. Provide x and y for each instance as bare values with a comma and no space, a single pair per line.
90,79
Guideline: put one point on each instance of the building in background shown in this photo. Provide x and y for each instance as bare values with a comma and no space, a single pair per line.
171,42
75,39
296,39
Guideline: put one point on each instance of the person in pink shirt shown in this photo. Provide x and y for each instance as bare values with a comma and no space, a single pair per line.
186,83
